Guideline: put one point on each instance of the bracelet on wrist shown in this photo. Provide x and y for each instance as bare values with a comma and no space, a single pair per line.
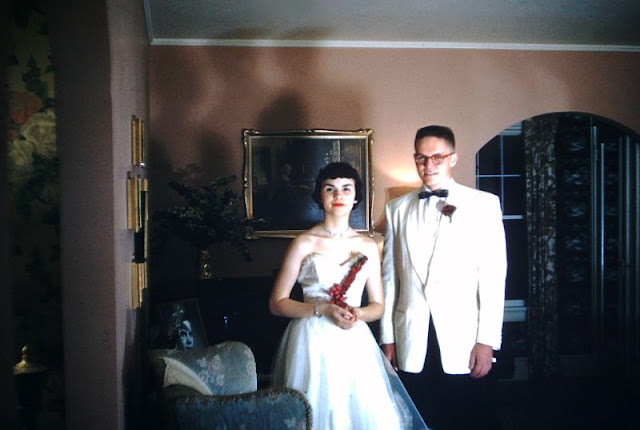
316,313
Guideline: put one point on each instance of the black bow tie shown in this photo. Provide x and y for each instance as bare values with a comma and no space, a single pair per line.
437,193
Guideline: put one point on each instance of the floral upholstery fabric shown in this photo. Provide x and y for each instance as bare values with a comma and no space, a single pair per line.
225,368
216,388
282,408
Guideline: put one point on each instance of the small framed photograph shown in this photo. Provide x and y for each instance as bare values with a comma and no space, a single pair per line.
280,170
178,325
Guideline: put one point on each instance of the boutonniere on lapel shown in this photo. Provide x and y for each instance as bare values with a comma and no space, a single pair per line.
448,210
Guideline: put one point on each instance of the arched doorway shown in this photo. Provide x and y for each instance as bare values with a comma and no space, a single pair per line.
569,186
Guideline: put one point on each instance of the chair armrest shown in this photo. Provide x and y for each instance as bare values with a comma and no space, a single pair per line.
272,408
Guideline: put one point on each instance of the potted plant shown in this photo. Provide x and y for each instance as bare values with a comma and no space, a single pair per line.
207,214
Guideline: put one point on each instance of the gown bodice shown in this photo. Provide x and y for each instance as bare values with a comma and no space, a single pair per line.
320,271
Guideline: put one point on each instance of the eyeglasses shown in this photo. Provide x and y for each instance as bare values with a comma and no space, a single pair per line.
436,159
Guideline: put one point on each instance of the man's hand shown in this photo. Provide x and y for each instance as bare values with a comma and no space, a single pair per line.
389,350
481,360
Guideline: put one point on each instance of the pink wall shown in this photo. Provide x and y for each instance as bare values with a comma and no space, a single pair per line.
202,97
100,82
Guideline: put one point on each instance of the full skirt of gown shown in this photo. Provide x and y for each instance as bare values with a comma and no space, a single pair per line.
346,378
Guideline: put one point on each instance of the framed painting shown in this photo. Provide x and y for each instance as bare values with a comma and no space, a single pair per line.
280,170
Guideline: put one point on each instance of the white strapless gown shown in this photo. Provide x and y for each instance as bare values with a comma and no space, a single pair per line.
345,376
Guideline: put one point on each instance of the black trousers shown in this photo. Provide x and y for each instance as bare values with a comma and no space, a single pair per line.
450,402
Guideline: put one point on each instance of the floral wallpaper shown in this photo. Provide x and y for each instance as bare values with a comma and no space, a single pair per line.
34,199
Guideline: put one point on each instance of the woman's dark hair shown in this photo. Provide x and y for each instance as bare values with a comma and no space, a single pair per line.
337,170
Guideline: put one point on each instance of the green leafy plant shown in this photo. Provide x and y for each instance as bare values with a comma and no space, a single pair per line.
208,214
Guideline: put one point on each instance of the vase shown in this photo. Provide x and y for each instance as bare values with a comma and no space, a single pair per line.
204,264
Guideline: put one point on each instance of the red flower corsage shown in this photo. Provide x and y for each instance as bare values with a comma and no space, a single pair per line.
448,210
337,292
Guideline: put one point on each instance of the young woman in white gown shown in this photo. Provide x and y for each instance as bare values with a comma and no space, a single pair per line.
328,351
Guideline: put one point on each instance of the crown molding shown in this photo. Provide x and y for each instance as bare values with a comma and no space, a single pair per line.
270,43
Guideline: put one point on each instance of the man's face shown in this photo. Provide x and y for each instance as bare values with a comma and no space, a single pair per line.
434,175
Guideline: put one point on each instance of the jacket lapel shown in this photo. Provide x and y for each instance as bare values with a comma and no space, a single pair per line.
414,229
446,234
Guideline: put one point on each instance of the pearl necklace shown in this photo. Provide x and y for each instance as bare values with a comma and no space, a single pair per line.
336,233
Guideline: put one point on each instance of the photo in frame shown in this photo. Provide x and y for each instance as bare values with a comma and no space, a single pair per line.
280,169
178,325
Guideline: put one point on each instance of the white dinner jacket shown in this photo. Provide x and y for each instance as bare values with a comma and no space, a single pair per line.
464,289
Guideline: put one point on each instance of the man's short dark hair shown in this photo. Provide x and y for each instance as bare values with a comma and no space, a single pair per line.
337,170
436,131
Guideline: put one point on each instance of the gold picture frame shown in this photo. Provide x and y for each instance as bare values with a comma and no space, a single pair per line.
137,141
138,283
280,168
137,222
133,202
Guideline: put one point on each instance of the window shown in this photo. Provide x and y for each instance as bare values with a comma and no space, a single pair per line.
500,169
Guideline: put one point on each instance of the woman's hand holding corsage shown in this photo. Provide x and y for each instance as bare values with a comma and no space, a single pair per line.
345,314
343,317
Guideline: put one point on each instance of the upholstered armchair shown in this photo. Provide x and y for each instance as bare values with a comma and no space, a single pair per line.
216,388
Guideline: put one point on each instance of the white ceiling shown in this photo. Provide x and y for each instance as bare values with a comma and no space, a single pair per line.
519,24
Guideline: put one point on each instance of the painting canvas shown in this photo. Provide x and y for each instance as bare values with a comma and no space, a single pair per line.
280,171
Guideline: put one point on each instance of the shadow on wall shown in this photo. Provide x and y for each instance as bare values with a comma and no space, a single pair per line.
391,193
202,98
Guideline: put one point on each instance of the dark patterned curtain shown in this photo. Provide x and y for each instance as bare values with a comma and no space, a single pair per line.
539,137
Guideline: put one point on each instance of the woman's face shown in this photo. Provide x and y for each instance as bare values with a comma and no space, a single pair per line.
338,194
185,336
